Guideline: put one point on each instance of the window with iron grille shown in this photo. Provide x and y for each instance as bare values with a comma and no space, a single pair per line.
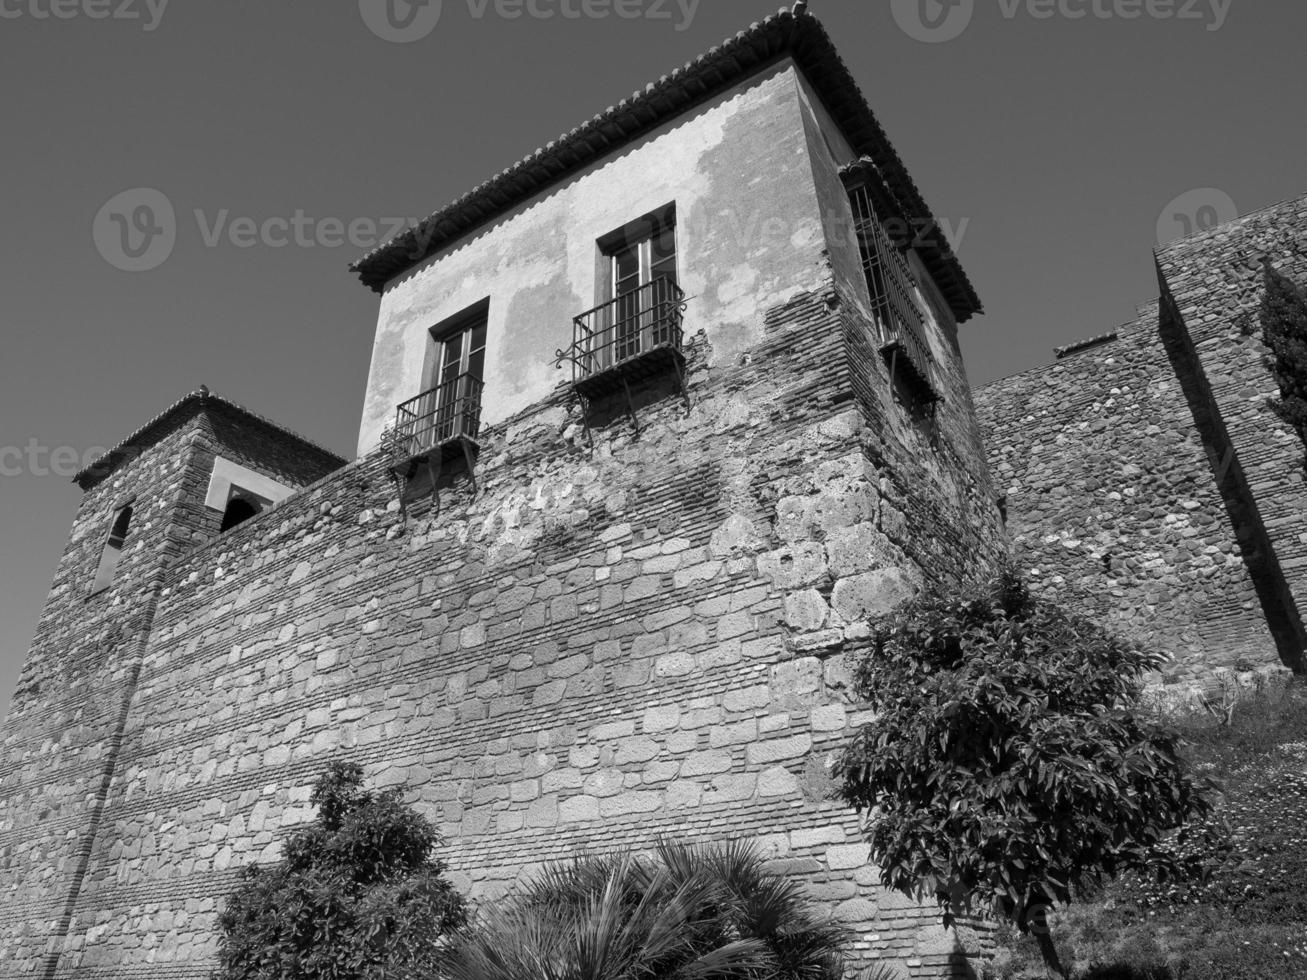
450,408
637,290
893,297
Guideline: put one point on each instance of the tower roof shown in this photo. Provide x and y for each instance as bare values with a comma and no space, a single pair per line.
793,34
179,411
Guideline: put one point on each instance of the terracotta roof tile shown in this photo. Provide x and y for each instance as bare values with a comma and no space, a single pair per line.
794,34
196,400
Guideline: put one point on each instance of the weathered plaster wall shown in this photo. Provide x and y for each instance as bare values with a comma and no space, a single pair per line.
749,236
1112,503
60,740
604,645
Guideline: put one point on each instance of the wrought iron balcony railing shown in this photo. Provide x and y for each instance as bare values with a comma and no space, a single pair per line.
890,280
439,417
634,327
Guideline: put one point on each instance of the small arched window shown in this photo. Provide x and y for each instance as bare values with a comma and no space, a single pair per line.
113,551
239,510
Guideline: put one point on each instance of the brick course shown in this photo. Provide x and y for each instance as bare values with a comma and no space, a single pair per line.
603,646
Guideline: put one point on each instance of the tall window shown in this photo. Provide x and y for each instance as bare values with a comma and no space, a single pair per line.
452,408
899,318
641,269
889,278
463,352
113,551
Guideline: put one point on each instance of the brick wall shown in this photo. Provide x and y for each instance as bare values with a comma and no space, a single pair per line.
650,637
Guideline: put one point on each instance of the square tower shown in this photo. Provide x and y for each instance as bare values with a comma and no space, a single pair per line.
166,489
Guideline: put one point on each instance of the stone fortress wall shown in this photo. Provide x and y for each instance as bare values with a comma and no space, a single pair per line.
62,739
602,646
651,634
1146,478
603,643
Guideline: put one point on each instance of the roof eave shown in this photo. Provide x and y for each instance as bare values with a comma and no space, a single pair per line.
797,35
193,403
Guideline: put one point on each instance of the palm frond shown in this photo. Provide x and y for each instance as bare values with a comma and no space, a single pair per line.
684,913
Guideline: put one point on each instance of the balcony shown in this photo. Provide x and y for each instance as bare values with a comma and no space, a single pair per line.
633,337
908,357
441,422
891,284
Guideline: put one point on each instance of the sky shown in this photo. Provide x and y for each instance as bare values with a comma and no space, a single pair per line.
1055,140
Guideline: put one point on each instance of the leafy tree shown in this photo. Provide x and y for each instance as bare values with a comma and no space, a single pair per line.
686,914
358,896
1007,768
1284,331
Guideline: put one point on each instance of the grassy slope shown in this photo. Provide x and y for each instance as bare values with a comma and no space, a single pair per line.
1246,917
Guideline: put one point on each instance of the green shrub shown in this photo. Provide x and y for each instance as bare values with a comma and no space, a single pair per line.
358,896
1284,331
1008,766
1241,915
693,913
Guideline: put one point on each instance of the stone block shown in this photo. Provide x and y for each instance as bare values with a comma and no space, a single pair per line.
846,857
547,694
796,566
741,733
696,574
860,548
568,666
796,678
731,788
636,801
815,836
684,794
873,595
829,718
637,750
605,783
806,611
632,674
779,750
777,781
747,698
856,910
569,778
661,718
706,763
674,665
793,520
736,536
577,809
612,730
